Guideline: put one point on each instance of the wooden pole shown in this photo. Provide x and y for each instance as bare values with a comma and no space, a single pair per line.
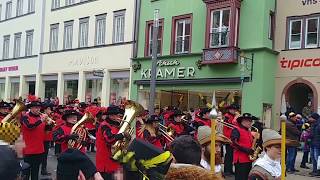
213,145
283,149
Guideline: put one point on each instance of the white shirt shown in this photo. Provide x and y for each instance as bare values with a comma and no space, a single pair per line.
207,166
272,166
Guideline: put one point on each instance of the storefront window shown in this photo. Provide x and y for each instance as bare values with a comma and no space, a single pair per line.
51,89
2,89
93,89
70,90
14,94
186,99
32,87
119,90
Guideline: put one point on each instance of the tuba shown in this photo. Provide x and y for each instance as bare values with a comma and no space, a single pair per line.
257,149
132,109
80,130
10,127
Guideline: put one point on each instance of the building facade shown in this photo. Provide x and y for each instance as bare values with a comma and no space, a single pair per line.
19,46
209,48
83,51
297,40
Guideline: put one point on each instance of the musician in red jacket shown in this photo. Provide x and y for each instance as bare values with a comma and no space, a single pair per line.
140,121
63,134
47,110
106,136
231,118
57,116
242,140
33,130
203,118
151,133
4,110
177,125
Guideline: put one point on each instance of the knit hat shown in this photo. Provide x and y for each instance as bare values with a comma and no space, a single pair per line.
9,163
315,116
204,136
272,137
71,161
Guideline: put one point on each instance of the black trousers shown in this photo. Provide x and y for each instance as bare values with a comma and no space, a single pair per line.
305,158
45,156
57,149
228,159
106,176
242,170
34,161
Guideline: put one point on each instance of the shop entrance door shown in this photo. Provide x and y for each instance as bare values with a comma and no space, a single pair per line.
298,96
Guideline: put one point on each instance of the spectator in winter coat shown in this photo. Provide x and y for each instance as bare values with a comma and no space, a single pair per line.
314,119
292,133
306,140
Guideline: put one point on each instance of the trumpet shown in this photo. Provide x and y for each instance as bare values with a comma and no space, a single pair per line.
48,120
166,132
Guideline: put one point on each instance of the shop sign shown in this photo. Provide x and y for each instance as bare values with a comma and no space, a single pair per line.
168,70
310,2
9,68
84,61
299,63
98,73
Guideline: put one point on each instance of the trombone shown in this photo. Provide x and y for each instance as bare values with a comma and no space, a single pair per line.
229,125
166,132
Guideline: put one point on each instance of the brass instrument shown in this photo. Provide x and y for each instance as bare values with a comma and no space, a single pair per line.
166,132
132,109
48,120
10,127
80,130
229,125
257,149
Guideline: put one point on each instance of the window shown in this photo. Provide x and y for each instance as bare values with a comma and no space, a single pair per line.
83,32
0,11
182,34
19,7
271,25
54,32
219,33
312,29
295,37
17,45
30,6
29,42
9,10
100,30
68,34
118,27
69,2
6,44
55,4
149,38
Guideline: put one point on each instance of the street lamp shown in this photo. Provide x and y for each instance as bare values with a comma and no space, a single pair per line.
154,61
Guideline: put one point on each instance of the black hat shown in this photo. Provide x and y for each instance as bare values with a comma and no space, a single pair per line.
315,116
4,105
113,110
47,105
178,113
9,163
233,106
71,161
204,111
245,116
153,118
68,113
34,104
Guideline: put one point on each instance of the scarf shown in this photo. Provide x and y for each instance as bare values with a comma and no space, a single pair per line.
272,166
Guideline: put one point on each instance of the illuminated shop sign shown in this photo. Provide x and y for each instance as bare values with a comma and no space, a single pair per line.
299,63
169,70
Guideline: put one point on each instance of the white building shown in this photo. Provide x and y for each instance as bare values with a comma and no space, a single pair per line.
79,37
20,38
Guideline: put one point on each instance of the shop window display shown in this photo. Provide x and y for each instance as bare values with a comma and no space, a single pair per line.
14,94
70,90
93,89
119,90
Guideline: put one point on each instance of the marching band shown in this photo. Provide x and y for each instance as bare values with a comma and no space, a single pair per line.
43,123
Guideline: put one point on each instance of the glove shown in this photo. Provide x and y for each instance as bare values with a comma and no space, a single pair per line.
73,137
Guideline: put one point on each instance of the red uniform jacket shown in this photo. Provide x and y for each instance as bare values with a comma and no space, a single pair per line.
245,140
202,122
158,141
228,118
61,136
106,136
33,130
178,128
49,133
90,126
